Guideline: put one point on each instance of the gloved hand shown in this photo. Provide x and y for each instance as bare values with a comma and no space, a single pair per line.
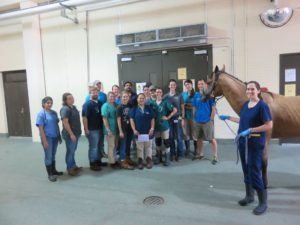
224,117
245,133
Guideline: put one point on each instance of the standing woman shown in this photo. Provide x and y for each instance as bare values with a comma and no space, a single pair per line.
109,115
142,123
255,119
71,131
116,90
188,133
47,122
125,132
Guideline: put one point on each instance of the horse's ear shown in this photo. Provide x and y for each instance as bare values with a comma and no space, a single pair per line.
223,68
216,69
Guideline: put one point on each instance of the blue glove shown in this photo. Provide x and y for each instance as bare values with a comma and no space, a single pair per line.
245,133
224,117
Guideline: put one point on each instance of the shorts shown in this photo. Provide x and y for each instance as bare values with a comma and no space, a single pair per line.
204,131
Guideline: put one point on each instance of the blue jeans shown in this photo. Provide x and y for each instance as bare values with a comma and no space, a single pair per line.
125,144
101,144
70,154
176,134
94,143
51,150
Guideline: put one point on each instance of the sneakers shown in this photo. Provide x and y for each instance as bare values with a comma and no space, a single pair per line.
199,157
214,160
125,165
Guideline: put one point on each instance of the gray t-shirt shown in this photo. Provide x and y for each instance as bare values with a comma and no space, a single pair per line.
176,100
74,119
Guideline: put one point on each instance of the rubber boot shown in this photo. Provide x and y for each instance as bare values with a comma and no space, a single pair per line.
167,159
249,198
55,172
157,158
262,202
51,176
195,147
187,148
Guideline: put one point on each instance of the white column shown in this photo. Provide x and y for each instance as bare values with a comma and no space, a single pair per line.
34,65
3,118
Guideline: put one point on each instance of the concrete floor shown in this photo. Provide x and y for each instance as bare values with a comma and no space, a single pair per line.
195,192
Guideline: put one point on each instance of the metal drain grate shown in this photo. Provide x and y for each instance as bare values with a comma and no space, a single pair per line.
153,201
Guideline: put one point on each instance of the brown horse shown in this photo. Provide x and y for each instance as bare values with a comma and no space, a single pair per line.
285,110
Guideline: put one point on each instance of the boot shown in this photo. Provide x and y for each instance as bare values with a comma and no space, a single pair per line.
262,202
140,164
51,176
149,163
95,166
55,172
167,159
100,163
124,165
130,161
157,160
187,148
249,198
73,172
195,147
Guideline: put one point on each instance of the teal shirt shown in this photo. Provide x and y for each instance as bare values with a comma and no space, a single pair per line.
188,102
163,109
110,113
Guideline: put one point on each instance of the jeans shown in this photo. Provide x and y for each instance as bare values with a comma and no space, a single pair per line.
94,144
101,144
70,154
51,150
125,144
176,133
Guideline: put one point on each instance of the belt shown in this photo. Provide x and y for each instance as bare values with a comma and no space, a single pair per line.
255,135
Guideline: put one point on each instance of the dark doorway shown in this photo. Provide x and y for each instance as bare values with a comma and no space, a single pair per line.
17,104
157,67
289,81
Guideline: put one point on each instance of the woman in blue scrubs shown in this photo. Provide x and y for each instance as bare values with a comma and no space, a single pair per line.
255,119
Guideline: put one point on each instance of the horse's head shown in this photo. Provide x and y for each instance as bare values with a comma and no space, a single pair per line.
212,88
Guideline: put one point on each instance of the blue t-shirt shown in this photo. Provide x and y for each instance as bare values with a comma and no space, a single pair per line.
254,117
92,111
142,118
49,121
101,97
118,100
188,103
203,109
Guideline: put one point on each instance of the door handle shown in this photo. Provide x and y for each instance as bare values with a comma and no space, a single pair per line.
22,110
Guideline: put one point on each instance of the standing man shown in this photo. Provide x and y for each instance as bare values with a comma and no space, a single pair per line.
132,95
101,95
204,113
93,127
176,122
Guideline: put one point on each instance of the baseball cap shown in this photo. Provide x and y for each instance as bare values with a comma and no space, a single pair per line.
97,82
152,88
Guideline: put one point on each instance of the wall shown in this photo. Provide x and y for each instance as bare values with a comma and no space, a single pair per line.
248,49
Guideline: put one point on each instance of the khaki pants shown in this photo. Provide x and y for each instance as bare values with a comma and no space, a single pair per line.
144,148
188,130
111,143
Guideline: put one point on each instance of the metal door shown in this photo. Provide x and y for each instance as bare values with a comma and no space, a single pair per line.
17,104
290,79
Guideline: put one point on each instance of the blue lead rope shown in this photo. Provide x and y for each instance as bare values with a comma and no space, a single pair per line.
236,140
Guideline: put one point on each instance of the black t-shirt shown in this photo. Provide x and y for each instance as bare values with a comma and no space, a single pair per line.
74,119
92,111
123,111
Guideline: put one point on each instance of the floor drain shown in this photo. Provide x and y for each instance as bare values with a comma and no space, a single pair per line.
153,200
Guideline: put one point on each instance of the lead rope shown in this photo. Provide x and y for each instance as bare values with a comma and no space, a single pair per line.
236,140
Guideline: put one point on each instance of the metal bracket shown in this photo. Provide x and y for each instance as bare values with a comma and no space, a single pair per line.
73,9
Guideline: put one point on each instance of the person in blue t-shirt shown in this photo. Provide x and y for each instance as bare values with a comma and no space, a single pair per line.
188,129
116,90
101,95
142,123
47,122
255,120
204,113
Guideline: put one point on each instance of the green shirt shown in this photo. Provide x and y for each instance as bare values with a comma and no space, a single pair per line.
164,108
110,113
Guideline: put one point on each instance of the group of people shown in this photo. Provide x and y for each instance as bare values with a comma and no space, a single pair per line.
173,120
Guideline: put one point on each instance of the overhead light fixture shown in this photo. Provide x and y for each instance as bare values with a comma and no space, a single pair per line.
276,17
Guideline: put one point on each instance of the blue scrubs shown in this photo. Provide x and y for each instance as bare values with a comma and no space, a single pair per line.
142,118
249,118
